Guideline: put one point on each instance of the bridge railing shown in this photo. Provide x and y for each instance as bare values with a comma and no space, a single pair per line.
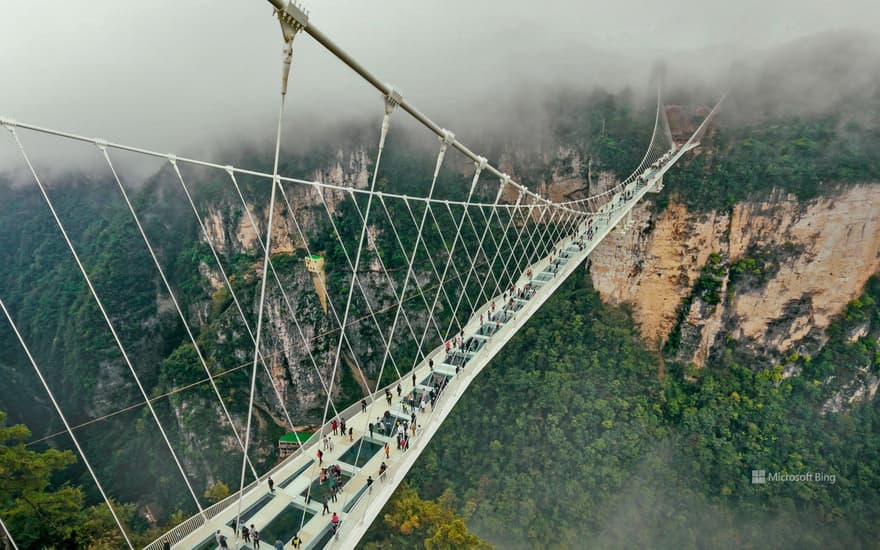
196,521
392,477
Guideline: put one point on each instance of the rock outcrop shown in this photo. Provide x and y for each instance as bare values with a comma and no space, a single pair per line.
824,252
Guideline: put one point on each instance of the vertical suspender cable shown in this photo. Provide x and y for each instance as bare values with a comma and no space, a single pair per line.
285,72
478,169
390,103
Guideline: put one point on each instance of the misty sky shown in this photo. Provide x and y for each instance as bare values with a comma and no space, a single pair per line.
183,74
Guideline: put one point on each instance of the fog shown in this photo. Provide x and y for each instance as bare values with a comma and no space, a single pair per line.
195,75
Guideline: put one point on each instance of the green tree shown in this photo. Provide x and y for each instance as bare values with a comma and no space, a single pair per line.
36,514
217,492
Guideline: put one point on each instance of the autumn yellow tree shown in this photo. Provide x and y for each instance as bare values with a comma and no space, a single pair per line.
411,521
217,492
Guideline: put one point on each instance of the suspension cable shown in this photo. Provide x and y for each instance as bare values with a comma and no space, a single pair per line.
107,320
171,294
8,535
61,414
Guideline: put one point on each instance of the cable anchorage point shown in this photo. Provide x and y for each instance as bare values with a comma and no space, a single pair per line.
293,19
8,123
448,138
392,99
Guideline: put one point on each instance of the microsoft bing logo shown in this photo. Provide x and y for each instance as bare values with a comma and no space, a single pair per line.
759,477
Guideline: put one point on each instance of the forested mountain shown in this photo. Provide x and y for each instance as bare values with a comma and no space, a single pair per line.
731,327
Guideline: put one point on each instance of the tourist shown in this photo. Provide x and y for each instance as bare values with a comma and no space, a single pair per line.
245,533
271,485
326,508
255,536
296,542
335,521
363,405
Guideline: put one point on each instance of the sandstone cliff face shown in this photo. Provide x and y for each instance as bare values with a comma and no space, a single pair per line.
826,250
299,339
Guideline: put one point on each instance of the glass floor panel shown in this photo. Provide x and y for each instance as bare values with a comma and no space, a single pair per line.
323,539
252,510
284,525
318,490
296,474
209,543
362,451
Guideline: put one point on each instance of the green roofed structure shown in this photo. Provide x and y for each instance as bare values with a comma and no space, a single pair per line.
290,442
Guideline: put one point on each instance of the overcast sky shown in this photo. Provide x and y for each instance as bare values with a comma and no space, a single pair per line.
180,74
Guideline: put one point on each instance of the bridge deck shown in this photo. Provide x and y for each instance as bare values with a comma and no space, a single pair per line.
298,495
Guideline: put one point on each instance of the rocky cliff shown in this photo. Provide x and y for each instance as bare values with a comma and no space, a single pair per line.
783,270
